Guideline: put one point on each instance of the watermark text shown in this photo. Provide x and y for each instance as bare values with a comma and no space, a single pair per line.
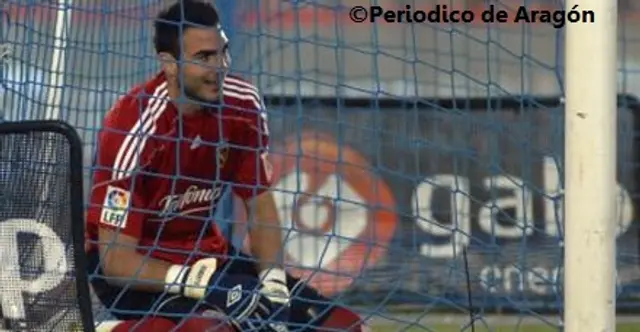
443,14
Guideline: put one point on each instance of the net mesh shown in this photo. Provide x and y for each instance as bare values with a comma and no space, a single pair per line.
37,273
397,146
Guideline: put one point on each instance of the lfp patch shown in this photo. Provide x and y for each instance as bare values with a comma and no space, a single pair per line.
116,207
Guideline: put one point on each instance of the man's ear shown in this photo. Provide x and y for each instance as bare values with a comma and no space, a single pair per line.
169,64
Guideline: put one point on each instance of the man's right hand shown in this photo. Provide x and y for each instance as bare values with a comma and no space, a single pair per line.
237,296
240,297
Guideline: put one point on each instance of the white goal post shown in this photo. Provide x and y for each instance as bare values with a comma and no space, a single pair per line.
590,168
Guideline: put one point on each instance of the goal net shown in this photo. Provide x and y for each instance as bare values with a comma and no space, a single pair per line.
418,166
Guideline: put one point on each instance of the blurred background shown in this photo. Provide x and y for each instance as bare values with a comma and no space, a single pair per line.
435,139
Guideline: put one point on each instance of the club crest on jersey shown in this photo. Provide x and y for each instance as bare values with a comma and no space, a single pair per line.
115,207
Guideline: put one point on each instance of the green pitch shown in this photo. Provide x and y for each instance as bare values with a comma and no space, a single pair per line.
631,327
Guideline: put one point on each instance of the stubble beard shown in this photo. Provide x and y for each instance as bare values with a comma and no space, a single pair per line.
192,96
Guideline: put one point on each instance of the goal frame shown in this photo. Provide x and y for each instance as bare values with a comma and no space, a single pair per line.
590,73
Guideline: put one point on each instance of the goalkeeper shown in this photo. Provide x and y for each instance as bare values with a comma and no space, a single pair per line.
166,153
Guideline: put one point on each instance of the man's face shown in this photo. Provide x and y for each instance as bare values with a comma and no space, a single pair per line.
204,64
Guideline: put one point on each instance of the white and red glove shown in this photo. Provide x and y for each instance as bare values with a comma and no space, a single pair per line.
252,304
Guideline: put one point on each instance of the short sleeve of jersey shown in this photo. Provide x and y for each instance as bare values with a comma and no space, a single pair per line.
117,197
254,175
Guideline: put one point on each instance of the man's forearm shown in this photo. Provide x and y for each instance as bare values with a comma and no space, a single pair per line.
266,244
265,232
123,265
127,267
139,272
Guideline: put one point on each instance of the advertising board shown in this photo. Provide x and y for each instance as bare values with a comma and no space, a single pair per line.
381,198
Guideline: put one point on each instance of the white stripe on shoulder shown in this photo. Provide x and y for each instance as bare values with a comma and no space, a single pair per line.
240,83
246,91
242,90
133,145
233,94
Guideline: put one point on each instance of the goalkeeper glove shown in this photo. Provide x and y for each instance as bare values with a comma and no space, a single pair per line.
274,288
250,304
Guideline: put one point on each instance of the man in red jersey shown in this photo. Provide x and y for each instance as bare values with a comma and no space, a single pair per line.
167,152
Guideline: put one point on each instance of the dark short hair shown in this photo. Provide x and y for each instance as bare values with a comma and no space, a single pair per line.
172,22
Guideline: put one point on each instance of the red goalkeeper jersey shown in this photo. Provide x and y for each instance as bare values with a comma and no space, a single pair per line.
158,176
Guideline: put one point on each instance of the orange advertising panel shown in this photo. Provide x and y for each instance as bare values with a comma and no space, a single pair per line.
330,240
